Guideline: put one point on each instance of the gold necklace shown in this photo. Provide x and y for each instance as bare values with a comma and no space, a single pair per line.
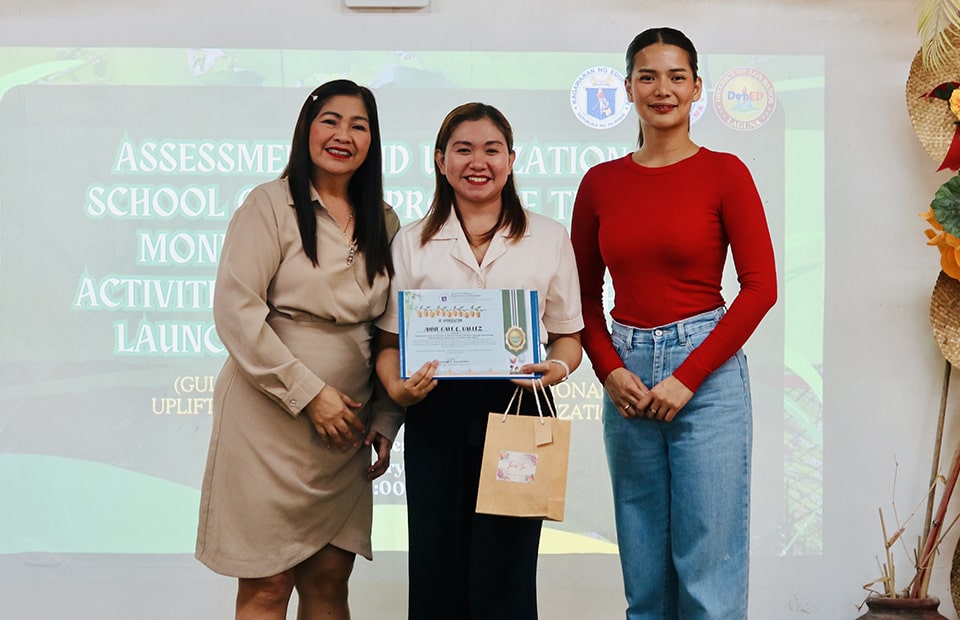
352,254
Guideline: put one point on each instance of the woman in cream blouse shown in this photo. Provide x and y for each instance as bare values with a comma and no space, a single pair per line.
476,235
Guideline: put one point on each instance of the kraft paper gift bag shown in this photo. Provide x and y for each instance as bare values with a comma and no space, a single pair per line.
524,467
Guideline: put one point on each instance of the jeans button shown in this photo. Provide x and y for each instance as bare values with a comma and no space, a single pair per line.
658,332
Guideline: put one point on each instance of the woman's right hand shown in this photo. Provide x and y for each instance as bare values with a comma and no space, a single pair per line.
335,422
628,393
406,392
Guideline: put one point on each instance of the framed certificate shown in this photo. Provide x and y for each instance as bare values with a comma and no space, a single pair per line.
474,333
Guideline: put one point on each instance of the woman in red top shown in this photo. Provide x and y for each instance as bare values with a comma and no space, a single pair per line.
677,412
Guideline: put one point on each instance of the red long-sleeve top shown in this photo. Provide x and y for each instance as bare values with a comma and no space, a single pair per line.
663,233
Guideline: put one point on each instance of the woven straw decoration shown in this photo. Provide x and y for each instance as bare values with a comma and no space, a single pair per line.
932,119
955,578
945,317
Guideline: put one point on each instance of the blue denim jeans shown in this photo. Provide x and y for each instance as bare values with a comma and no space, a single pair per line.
681,489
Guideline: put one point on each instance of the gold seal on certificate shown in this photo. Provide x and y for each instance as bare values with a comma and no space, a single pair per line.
474,333
514,335
516,339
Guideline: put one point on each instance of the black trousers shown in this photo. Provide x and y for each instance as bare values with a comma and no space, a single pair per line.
463,565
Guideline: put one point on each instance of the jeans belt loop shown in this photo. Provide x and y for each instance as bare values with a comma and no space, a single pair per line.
626,332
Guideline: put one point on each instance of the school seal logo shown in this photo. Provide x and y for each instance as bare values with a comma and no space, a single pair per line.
744,99
697,109
598,98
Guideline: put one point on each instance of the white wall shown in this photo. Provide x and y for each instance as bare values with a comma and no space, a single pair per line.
882,368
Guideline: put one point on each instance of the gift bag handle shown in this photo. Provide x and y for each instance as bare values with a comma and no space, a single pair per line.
536,397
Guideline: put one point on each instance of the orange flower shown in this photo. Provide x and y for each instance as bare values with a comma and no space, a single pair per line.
955,102
948,245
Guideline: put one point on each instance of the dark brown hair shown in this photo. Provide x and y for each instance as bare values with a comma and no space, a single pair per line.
365,189
512,215
667,36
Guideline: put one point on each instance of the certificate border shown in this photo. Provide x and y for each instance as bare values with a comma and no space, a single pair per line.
533,297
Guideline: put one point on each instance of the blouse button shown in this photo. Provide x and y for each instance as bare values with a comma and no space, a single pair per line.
479,283
293,402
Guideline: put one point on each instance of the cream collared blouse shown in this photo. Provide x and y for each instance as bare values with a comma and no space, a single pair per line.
542,259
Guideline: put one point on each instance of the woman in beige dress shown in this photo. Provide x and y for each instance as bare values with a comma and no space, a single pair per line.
286,500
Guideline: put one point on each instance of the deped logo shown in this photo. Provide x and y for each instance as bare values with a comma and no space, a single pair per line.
744,98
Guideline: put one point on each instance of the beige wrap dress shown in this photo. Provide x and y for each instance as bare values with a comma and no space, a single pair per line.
273,494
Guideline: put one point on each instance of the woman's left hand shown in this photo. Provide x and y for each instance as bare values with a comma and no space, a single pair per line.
667,399
550,374
382,445
560,347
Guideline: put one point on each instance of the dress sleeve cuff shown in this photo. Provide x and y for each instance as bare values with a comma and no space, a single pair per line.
303,390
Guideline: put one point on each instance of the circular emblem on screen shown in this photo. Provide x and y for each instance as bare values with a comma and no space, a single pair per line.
697,109
744,99
599,99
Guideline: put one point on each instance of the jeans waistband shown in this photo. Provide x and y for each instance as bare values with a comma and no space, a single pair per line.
677,332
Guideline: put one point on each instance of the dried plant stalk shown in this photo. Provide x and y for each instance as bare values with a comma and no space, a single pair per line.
938,441
889,575
925,563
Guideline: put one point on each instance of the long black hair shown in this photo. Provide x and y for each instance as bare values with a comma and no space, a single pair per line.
667,36
365,188
512,215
